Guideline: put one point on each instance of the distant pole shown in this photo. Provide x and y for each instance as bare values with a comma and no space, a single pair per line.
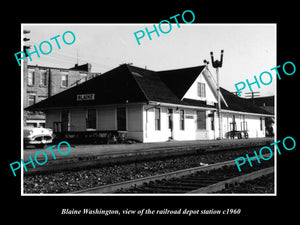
219,103
218,64
252,95
25,39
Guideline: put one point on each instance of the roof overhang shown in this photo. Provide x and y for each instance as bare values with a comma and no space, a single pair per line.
88,106
154,103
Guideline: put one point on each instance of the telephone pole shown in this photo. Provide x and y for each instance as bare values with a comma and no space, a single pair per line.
25,74
252,95
218,64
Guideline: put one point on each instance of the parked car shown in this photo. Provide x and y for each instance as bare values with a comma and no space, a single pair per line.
37,136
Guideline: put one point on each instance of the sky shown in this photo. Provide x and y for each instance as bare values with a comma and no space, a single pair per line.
249,49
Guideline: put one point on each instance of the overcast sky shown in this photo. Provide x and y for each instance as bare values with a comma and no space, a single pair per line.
249,49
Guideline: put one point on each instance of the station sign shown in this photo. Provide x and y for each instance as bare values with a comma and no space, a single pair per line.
85,97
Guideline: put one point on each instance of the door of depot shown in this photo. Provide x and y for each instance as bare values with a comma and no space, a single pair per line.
170,123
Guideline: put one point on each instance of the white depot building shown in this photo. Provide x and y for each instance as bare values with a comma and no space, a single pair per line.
153,106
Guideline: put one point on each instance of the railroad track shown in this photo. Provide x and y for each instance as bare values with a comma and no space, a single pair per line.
202,179
127,156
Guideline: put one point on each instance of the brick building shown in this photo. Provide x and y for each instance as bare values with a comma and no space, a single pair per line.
40,82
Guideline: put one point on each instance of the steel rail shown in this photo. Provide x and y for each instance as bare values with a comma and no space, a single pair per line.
111,188
222,185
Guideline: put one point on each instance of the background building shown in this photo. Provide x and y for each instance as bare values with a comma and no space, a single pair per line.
41,82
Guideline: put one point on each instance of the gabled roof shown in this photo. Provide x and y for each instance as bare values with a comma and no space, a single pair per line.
180,80
152,86
128,84
236,103
113,87
213,86
263,101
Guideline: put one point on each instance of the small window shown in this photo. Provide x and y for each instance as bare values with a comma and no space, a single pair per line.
83,77
157,118
212,120
30,78
201,90
41,98
170,119
31,100
181,119
64,80
261,123
201,120
43,78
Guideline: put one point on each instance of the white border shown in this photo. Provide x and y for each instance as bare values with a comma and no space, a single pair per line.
141,24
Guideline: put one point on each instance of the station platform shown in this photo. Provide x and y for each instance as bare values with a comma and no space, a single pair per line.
101,154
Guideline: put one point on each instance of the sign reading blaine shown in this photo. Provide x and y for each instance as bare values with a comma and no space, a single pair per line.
84,97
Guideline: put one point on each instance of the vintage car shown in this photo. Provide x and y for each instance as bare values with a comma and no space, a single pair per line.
37,136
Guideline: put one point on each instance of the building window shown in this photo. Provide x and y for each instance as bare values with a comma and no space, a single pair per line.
41,98
83,77
170,119
31,99
157,118
121,118
201,120
181,116
43,78
64,80
30,78
91,119
261,123
212,120
201,90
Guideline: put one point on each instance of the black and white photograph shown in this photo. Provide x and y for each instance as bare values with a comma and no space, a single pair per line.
175,125
120,118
